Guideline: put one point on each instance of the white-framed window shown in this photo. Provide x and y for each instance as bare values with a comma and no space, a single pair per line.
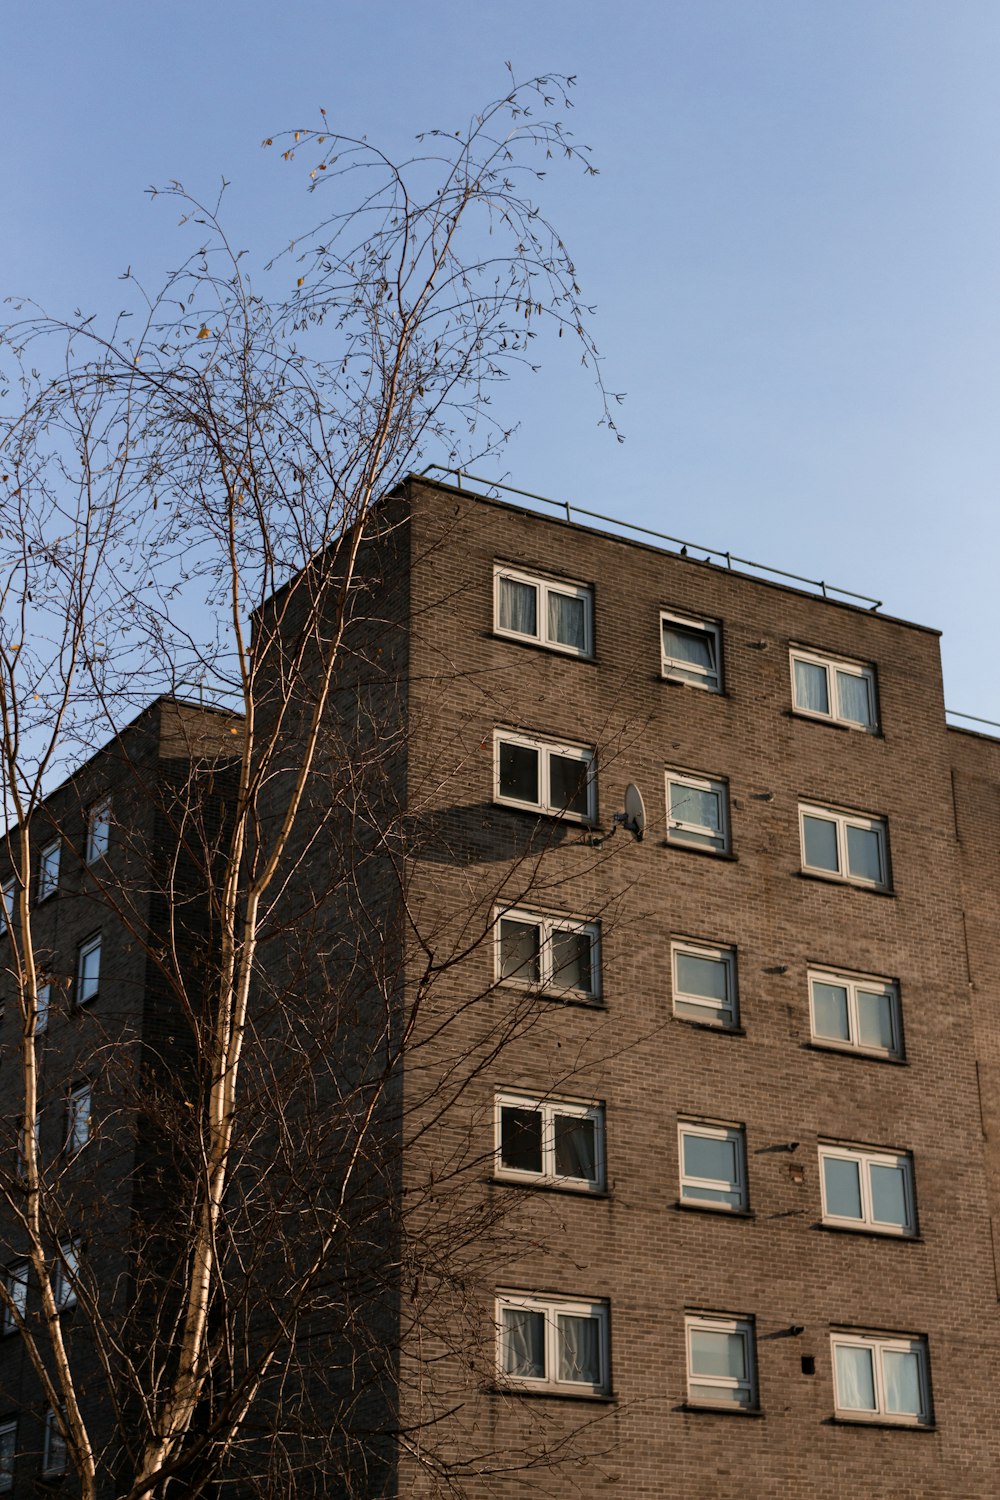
43,1001
8,905
16,1282
48,869
721,1367
690,651
551,1141
704,983
847,846
548,611
867,1189
54,1455
713,1165
79,1119
64,1276
88,970
555,954
98,831
857,1013
841,691
551,1344
697,811
8,1454
879,1378
545,776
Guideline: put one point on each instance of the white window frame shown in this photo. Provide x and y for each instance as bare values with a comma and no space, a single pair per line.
55,1458
704,1130
8,905
548,982
854,985
65,1274
675,670
48,869
98,831
842,821
679,831
726,1017
77,1095
92,945
8,1455
545,748
722,1323
544,587
549,1108
16,1281
552,1308
865,1158
43,1004
832,665
879,1345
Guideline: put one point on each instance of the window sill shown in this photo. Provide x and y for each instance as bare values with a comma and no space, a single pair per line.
566,653
44,896
718,1210
568,820
880,1423
572,1190
709,1026
709,1409
865,1232
550,997
699,687
842,724
862,1052
549,1393
669,843
840,880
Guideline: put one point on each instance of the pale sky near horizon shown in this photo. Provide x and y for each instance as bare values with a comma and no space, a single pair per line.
793,245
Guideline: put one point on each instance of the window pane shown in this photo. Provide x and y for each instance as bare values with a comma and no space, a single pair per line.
521,1139
821,843
717,1353
696,647
703,976
830,1016
523,1343
518,772
576,1147
854,698
889,1195
44,994
855,1378
811,688
518,606
520,950
691,804
864,854
571,959
48,874
89,974
568,784
579,1349
842,1180
901,1372
568,620
875,1020
709,1158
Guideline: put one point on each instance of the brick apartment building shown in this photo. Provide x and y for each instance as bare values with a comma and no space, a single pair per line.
691,1146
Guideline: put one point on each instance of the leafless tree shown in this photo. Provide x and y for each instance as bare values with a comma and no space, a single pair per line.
189,507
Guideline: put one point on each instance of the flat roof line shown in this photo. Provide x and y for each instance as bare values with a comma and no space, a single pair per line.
825,589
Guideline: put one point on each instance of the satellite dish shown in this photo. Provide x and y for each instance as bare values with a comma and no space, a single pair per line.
635,811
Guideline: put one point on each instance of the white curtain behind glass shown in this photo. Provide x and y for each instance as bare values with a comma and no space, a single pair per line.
579,1350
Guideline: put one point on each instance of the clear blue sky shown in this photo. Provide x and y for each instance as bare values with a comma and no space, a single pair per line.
793,245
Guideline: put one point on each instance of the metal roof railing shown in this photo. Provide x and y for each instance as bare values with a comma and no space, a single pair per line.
684,547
